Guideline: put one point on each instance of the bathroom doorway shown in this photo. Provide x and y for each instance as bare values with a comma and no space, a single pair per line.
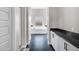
38,22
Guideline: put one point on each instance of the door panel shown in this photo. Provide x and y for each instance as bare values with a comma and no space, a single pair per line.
5,35
4,46
4,38
4,23
4,9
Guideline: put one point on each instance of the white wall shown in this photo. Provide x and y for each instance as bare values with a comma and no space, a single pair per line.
64,18
38,16
19,28
16,32
53,17
24,27
61,17
71,19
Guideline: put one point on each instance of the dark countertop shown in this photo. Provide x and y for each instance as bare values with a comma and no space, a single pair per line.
70,37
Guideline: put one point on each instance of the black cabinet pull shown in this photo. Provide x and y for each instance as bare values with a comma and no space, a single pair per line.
52,35
65,46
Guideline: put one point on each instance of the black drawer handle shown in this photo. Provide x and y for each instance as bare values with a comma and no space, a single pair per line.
65,46
52,35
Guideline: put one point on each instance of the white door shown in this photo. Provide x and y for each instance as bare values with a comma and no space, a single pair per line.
5,29
38,21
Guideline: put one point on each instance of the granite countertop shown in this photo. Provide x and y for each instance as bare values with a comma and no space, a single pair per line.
70,37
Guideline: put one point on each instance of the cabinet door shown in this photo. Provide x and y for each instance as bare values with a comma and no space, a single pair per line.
61,44
56,42
53,39
67,46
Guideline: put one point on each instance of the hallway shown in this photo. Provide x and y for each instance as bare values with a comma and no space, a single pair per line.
39,29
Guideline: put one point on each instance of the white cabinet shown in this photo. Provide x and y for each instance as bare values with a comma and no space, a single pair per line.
73,48
69,47
60,44
52,39
55,41
66,46
63,45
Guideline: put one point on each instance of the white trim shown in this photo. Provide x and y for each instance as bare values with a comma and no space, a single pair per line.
48,25
29,18
10,25
13,28
25,26
24,17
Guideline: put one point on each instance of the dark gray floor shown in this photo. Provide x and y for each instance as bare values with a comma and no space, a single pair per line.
39,42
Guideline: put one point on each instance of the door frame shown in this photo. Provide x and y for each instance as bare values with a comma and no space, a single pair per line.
15,33
10,26
29,18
